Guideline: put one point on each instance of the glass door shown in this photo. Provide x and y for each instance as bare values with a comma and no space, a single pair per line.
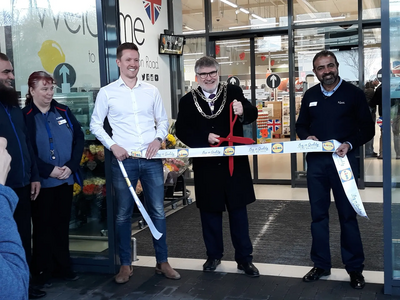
263,75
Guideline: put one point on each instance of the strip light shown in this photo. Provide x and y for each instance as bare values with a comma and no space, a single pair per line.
229,3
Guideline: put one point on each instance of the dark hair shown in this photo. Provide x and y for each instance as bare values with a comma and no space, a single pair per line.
33,81
3,57
126,46
206,61
325,53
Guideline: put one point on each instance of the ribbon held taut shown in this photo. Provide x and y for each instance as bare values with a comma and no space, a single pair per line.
233,139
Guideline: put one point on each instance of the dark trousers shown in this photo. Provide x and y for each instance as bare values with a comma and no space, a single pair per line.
211,223
51,213
22,216
321,178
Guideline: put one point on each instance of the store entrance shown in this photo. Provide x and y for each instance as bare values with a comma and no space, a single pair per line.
262,68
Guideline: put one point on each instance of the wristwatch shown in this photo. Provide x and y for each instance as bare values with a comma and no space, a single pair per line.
159,139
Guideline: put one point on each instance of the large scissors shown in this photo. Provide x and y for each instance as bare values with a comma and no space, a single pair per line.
230,138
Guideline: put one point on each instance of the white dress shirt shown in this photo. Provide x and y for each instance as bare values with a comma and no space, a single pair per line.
137,116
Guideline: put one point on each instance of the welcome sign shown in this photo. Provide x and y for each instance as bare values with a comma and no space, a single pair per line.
141,22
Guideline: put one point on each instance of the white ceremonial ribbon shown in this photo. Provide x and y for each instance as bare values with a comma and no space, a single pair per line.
156,234
342,163
348,182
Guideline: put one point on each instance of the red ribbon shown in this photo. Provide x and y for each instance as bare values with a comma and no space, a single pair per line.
233,139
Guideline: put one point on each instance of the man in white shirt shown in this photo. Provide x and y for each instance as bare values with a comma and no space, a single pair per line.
138,120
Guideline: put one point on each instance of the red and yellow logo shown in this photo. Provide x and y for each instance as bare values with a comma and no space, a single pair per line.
229,151
183,153
328,146
346,175
277,148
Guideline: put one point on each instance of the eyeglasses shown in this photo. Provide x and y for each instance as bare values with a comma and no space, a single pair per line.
211,74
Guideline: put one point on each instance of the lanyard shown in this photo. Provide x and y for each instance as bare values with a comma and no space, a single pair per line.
52,156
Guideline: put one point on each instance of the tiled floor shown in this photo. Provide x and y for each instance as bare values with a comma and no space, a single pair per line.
275,282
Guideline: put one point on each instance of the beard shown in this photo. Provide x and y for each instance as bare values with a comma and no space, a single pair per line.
8,96
331,80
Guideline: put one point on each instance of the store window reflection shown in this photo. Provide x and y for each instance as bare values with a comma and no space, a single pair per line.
193,17
371,9
61,38
394,18
244,15
317,12
372,66
343,42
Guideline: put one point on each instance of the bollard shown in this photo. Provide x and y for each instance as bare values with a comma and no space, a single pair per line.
133,246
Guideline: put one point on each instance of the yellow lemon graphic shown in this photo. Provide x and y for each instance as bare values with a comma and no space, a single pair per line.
328,146
51,55
228,151
277,148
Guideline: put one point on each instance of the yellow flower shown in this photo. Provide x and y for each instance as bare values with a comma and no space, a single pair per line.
77,189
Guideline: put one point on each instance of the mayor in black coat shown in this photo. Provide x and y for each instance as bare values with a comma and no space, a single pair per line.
204,117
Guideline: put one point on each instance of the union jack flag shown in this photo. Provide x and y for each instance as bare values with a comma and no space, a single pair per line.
152,8
274,124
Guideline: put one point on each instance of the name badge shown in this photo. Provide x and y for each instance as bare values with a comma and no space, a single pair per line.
313,104
63,121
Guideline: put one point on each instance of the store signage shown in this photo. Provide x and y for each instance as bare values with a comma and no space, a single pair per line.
273,81
233,80
141,23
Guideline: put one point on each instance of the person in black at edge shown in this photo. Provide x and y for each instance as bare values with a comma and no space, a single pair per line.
338,110
24,176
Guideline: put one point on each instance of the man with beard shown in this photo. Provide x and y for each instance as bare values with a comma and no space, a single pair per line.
24,175
338,110
204,117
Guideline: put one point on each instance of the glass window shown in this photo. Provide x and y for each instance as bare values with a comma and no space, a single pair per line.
308,42
245,15
61,38
308,12
371,9
193,21
394,17
194,49
372,65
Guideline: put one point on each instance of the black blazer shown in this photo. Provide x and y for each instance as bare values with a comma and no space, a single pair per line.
214,187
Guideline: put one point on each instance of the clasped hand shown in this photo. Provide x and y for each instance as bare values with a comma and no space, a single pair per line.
61,172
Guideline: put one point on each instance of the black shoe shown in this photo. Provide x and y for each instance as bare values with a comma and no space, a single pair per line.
211,264
249,269
35,293
71,276
357,280
315,274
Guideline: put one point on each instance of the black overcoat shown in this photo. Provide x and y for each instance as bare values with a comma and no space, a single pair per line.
214,187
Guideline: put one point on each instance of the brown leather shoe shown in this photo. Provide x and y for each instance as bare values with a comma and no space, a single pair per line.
166,270
125,272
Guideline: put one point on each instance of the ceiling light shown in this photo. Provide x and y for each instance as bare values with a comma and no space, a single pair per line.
229,3
198,53
257,17
319,19
254,25
244,10
193,32
187,27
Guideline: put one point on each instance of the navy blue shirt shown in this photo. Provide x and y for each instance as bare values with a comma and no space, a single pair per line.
62,137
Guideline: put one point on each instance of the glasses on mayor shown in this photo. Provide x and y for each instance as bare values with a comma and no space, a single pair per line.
212,74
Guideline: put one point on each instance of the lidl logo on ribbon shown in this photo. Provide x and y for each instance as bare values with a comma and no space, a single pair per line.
228,151
152,8
183,153
346,175
277,148
327,146
136,154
